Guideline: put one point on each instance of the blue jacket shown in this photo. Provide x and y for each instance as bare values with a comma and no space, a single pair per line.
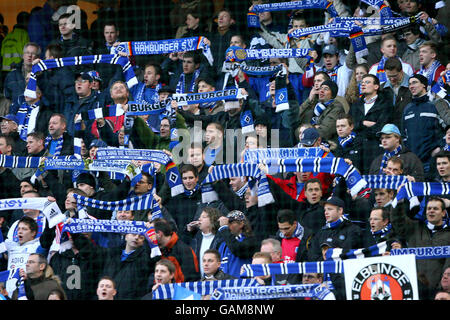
40,27
14,84
236,251
421,127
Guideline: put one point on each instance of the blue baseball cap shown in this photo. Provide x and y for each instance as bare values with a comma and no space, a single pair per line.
10,117
309,136
389,128
335,201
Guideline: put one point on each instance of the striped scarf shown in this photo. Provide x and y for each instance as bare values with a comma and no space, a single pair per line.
59,143
144,202
430,72
334,224
348,140
140,95
387,155
241,192
434,228
181,85
384,181
411,190
44,65
298,232
238,170
338,254
333,72
382,232
319,109
257,270
447,147
26,117
381,73
258,155
328,165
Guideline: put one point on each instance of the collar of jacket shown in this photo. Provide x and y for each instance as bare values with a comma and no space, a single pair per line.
422,99
172,241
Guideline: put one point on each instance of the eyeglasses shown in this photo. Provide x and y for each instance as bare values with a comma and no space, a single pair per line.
367,82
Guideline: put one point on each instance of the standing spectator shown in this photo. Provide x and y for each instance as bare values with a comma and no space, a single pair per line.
434,231
397,87
353,92
370,114
12,45
14,85
293,236
421,124
73,44
41,28
388,49
430,67
391,141
39,279
239,242
350,143
175,250
413,39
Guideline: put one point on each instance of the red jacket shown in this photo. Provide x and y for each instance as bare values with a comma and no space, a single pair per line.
290,185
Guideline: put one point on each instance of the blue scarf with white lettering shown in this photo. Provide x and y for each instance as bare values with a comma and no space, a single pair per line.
258,155
44,65
316,291
135,48
237,54
253,18
166,291
421,253
348,140
387,155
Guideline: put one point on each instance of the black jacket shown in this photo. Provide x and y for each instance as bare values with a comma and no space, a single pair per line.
381,113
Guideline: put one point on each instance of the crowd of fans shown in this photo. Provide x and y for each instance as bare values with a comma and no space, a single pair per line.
378,112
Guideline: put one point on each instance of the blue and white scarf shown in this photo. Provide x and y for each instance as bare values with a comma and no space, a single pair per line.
447,147
59,143
166,291
115,110
237,170
140,94
334,224
329,165
135,48
333,73
26,117
383,232
384,181
44,65
173,176
430,73
181,85
338,254
387,155
348,140
12,281
421,253
253,19
256,270
258,155
298,232
206,97
238,54
271,292
319,109
144,202
411,190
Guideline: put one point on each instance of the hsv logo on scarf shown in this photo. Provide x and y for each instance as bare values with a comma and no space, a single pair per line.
59,143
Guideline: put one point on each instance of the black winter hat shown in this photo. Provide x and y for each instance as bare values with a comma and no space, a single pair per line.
333,87
87,178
